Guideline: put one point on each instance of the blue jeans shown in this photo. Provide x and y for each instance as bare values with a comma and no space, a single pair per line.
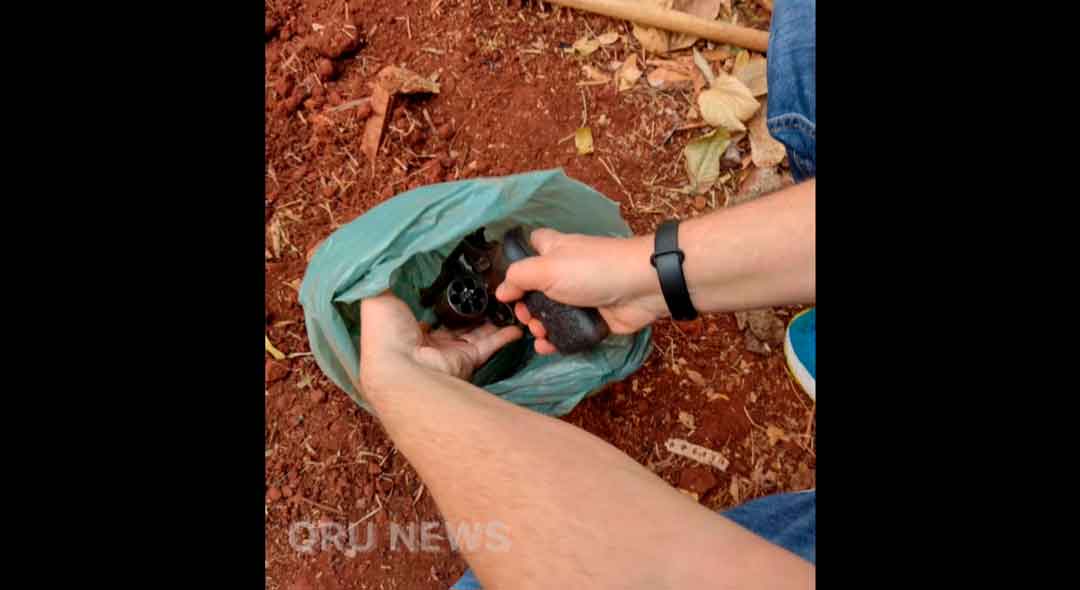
787,520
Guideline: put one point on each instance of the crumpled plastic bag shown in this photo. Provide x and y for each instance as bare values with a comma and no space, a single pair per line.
401,243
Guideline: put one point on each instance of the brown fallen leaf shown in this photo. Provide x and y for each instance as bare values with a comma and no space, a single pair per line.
776,435
583,141
652,39
713,396
733,489
753,74
695,377
389,81
765,151
664,78
399,80
706,9
759,182
376,123
686,419
628,73
274,352
608,38
727,103
585,46
594,74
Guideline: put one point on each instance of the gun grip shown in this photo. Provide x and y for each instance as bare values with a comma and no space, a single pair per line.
570,329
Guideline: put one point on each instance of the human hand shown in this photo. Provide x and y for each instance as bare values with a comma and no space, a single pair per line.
393,344
611,274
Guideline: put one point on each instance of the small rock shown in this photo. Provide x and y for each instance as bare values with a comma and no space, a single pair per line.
698,480
699,202
329,190
731,159
335,98
374,469
275,371
317,396
326,69
287,491
445,132
753,344
433,172
273,494
283,87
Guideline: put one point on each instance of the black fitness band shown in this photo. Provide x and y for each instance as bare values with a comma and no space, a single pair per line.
667,259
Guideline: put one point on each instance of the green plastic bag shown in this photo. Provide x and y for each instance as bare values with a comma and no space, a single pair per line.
401,244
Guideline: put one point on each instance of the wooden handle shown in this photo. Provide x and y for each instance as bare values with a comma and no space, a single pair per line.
651,15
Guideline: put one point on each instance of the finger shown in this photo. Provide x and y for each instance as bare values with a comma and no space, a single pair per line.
479,333
485,347
543,239
522,313
545,347
527,274
537,328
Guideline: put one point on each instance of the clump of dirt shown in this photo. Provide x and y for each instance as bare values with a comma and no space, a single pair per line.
510,100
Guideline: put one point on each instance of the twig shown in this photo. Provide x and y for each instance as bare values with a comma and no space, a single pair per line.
323,506
365,517
584,108
419,493
745,411
611,171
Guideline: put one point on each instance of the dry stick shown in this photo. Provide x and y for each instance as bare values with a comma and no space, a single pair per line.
673,20
323,506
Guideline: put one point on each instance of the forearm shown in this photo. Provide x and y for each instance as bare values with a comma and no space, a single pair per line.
578,513
758,254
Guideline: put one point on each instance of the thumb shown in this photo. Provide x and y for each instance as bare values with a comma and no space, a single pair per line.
529,274
544,239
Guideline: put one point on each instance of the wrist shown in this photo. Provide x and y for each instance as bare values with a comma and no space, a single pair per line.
644,291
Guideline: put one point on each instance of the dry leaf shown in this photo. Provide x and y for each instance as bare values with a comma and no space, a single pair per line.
585,46
741,59
687,419
776,435
753,74
704,67
766,325
593,73
761,181
765,151
399,80
716,54
706,9
733,489
608,38
628,73
703,160
713,396
274,352
727,103
652,39
583,141
664,78
695,377
389,81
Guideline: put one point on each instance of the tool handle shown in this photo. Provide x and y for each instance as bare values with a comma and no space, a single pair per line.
570,329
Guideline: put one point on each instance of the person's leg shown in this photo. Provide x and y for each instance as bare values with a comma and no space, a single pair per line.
792,101
787,520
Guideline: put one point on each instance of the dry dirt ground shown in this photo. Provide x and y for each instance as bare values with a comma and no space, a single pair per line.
511,98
